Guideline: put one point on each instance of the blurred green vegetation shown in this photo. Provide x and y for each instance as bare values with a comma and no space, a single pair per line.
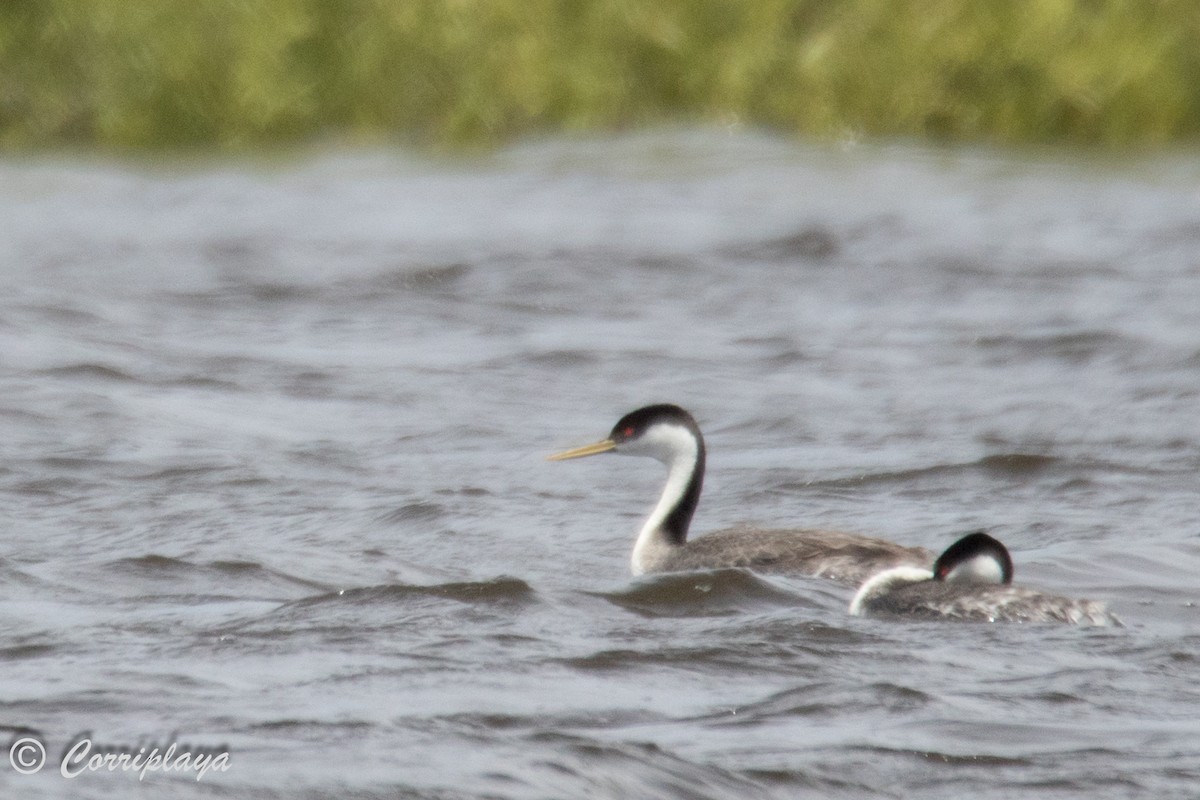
238,74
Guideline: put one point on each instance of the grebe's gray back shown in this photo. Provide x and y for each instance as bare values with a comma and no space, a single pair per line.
972,581
670,435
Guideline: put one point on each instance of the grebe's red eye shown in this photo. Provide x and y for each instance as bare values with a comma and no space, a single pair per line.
628,432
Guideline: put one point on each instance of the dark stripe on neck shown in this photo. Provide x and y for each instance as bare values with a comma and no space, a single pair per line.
675,526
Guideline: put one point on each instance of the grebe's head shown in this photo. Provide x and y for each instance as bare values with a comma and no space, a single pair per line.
664,432
975,558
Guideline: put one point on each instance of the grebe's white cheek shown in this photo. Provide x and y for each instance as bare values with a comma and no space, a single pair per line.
636,447
980,569
667,443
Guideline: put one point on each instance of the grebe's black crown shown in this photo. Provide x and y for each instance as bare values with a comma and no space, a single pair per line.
635,423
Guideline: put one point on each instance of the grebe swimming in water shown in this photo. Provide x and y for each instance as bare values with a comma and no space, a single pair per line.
670,434
972,581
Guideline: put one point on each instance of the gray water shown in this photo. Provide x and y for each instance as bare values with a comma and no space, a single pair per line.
274,480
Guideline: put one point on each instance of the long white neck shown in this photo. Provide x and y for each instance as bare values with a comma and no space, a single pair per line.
881,583
666,527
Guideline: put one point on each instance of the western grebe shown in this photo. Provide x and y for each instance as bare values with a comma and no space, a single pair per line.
972,581
670,435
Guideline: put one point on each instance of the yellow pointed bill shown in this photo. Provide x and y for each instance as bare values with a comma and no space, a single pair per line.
587,450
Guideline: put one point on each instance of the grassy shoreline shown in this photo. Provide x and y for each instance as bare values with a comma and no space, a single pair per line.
458,74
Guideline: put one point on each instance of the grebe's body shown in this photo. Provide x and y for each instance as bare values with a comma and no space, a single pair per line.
670,435
971,581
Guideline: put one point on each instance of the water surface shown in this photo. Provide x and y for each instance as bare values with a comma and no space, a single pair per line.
274,476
